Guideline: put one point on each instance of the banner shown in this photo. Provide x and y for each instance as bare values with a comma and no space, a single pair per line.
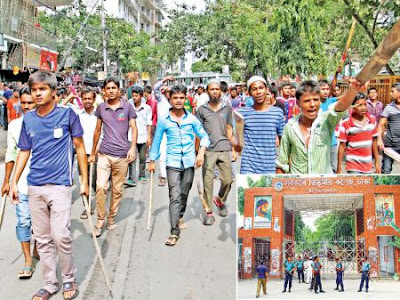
384,208
262,211
48,61
32,57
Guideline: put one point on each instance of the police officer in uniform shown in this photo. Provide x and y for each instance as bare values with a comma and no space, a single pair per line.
290,267
317,266
339,274
366,267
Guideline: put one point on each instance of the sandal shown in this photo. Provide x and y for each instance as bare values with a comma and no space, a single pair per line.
182,225
69,287
44,294
99,230
221,208
171,240
26,272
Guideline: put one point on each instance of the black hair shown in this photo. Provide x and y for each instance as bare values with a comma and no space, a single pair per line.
224,86
292,86
87,91
137,90
372,88
43,76
148,89
61,91
358,97
308,86
396,86
24,90
323,82
274,91
285,83
111,79
179,88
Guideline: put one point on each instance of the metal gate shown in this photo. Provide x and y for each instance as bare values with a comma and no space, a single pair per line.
386,256
262,253
350,252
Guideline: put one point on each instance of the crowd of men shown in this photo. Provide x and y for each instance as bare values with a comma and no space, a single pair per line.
305,130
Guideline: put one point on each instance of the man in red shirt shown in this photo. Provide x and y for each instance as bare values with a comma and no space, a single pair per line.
14,106
153,104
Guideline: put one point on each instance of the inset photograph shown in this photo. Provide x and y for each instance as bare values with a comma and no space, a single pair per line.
322,237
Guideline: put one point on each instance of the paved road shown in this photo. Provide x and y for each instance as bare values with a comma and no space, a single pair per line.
385,289
201,266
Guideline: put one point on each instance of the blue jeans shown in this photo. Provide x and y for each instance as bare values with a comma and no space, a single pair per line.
2,115
387,163
23,219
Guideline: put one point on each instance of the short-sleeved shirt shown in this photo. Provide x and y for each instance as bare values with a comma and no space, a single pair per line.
366,266
339,267
324,106
215,123
143,119
296,158
392,114
375,110
50,140
260,131
88,122
281,105
14,107
316,266
358,141
299,264
261,270
289,266
115,128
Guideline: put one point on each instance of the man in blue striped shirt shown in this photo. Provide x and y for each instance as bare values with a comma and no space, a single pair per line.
263,125
180,128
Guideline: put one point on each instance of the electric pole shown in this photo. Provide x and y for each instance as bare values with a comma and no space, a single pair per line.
103,25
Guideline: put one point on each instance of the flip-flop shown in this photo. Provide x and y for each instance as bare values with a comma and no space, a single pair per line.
44,294
69,287
171,240
24,274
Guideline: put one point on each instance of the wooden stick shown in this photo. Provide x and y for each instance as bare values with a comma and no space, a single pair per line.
90,185
348,43
203,201
3,206
151,201
386,49
391,153
96,243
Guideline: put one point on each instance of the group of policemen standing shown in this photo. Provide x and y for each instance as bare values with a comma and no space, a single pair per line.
312,267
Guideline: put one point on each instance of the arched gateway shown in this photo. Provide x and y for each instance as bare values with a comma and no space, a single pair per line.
268,231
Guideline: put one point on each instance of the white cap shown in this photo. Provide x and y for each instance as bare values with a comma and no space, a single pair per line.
254,79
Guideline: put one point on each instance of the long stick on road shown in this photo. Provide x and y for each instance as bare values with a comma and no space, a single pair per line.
198,180
96,244
90,185
3,206
151,201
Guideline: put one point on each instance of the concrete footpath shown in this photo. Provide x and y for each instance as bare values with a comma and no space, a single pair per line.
201,266
378,289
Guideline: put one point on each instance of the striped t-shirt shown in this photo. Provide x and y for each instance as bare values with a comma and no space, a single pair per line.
260,131
392,114
358,141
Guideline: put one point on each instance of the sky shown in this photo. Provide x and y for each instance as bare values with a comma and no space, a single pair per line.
200,4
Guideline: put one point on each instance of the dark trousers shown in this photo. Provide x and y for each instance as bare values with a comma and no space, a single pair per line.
300,273
364,277
142,148
179,184
317,282
387,163
288,280
339,279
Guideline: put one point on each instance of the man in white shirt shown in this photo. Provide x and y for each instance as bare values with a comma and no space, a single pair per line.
23,228
88,122
201,97
143,123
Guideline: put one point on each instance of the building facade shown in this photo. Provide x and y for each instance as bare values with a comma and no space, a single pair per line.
268,231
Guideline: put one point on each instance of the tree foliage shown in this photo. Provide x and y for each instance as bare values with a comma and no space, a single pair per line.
277,37
129,49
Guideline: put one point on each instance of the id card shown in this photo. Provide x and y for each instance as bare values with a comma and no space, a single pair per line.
58,133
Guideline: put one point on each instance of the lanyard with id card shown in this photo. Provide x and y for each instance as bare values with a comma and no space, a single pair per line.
58,133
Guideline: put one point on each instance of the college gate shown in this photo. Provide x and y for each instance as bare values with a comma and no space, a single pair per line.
369,198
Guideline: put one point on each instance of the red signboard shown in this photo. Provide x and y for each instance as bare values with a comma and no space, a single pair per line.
48,60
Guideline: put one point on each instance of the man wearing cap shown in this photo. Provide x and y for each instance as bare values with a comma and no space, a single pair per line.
263,123
216,118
